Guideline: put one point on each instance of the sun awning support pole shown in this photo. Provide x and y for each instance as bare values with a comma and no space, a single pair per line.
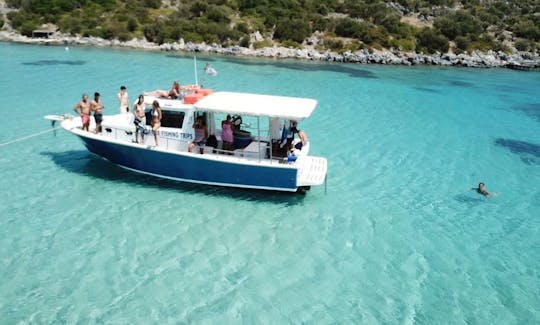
271,144
259,136
195,70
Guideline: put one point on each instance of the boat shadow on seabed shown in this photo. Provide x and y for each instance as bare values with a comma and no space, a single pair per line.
84,163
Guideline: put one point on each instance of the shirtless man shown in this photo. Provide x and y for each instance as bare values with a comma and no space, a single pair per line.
140,118
123,99
83,109
97,107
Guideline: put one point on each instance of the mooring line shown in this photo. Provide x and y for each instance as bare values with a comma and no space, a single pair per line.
28,136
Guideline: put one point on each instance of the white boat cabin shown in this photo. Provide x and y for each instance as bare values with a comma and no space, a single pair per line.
258,123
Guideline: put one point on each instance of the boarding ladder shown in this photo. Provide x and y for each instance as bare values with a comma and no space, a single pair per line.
312,172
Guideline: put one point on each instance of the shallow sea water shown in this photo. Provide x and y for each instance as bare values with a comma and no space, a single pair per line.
398,237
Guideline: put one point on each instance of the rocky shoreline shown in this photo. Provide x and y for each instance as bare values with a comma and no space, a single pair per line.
477,59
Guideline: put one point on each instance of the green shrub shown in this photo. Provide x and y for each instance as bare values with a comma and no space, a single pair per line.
27,27
244,41
352,46
528,29
375,35
14,3
484,43
332,43
154,32
294,30
198,8
460,23
322,24
154,4
114,30
523,45
430,41
403,44
132,24
192,37
290,43
261,44
350,28
71,24
218,14
462,43
243,27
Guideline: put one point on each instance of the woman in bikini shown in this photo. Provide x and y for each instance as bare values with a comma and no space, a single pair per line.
156,119
173,93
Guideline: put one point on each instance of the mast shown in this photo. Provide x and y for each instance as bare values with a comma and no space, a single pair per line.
195,68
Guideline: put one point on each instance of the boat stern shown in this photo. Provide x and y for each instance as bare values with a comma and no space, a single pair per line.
312,172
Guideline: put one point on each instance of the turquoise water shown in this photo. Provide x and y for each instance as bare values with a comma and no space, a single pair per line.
397,238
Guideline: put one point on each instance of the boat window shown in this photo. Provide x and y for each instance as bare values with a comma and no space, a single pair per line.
170,119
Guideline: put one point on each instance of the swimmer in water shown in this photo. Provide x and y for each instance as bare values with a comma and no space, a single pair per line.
481,190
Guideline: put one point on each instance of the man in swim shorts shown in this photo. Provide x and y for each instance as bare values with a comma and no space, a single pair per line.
83,109
123,99
97,107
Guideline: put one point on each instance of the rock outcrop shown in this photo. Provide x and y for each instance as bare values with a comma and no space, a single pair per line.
477,59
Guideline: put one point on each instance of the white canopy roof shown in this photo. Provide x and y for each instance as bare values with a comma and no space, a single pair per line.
292,108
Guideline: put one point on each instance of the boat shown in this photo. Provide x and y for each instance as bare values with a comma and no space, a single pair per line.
255,161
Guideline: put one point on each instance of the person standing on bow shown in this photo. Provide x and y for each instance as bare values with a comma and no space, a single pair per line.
97,107
140,118
83,109
156,119
124,100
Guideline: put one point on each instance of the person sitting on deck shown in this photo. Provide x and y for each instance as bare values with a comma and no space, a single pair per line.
201,134
173,93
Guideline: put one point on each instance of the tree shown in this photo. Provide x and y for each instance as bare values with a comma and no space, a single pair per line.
295,30
429,40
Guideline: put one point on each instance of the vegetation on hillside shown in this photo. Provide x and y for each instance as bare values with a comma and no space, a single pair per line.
409,25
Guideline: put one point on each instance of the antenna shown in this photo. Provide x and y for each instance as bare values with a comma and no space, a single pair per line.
195,67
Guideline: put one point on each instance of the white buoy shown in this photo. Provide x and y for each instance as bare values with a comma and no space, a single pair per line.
67,48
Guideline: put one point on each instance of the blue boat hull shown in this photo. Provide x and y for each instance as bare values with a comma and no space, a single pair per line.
192,168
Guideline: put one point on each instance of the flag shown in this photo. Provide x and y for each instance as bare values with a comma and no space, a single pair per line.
210,71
